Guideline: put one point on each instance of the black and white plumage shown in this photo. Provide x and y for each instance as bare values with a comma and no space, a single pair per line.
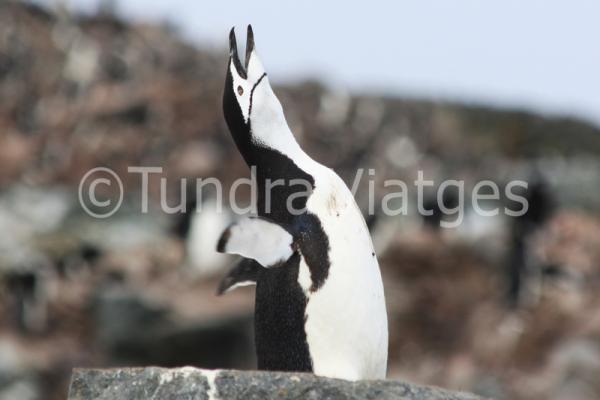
320,304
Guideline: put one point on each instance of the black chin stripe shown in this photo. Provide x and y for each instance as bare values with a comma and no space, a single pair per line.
252,93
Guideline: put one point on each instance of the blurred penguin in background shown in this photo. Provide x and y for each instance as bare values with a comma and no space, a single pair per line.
521,261
200,226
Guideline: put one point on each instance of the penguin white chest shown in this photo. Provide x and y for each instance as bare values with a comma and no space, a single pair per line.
346,320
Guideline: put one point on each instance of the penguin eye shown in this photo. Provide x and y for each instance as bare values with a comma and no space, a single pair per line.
240,90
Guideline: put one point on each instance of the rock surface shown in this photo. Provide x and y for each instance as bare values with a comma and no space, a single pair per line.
193,383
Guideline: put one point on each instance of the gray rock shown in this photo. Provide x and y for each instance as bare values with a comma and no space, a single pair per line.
191,383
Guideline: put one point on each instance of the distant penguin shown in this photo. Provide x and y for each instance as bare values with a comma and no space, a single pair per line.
320,303
200,227
522,262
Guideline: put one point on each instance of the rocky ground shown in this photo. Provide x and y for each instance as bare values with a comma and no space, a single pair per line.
192,383
81,92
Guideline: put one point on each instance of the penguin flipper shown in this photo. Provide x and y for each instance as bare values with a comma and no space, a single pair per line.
264,241
243,273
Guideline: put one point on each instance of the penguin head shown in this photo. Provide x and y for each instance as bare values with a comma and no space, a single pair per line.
251,109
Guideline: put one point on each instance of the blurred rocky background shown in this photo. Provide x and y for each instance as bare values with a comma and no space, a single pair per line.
503,307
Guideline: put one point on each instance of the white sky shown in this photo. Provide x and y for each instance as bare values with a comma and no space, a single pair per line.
543,55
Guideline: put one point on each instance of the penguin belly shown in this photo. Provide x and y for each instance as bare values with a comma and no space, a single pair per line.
346,331
346,324
279,319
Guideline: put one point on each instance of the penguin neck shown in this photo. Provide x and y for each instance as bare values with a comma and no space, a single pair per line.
276,136
281,165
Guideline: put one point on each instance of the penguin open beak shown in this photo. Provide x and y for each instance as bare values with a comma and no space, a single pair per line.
233,51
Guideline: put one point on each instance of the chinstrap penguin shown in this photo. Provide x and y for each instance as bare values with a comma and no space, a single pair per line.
320,304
